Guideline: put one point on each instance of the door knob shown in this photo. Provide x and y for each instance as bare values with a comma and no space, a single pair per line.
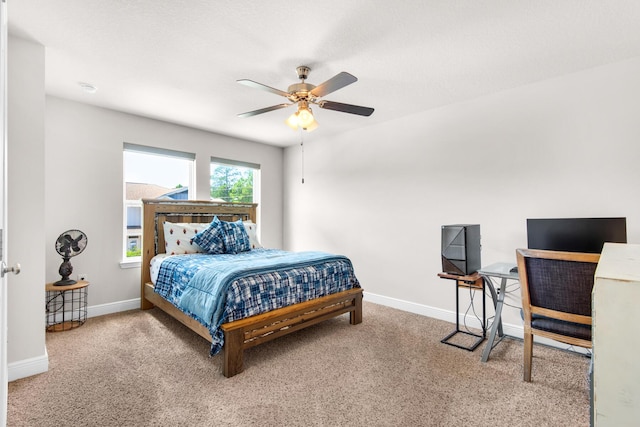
15,269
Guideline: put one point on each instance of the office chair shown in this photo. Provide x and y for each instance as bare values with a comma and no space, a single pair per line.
556,297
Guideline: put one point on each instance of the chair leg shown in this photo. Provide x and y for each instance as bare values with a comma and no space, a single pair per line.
528,356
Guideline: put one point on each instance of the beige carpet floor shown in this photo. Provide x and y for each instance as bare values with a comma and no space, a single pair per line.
145,369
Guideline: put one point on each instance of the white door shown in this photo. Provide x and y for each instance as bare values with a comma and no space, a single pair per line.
3,216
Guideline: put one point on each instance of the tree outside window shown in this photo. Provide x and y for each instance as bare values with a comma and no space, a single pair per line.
232,183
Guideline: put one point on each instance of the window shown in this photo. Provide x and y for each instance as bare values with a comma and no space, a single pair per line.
151,173
233,181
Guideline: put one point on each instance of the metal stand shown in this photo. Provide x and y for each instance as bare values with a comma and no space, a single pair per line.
66,306
475,282
502,271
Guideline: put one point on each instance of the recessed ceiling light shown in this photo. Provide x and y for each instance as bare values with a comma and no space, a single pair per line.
88,87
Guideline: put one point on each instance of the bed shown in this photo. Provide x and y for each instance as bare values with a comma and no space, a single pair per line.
242,333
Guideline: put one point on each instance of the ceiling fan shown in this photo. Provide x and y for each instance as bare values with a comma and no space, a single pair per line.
303,94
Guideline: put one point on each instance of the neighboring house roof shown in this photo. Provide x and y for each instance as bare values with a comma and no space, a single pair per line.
137,191
176,194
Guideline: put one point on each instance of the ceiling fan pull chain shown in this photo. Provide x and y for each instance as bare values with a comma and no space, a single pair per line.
302,152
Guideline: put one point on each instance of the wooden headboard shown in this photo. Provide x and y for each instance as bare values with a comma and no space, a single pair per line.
156,212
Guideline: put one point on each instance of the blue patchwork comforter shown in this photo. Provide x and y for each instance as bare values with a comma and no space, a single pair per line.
215,289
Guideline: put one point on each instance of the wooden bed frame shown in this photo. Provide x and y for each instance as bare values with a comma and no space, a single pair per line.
244,333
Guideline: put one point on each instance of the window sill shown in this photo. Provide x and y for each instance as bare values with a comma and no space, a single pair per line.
131,263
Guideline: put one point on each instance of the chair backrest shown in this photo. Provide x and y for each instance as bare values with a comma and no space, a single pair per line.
556,285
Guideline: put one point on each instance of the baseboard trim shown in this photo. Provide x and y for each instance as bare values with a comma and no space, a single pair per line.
28,367
113,307
516,331
438,313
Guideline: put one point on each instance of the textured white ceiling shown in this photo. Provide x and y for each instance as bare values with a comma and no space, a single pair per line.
178,61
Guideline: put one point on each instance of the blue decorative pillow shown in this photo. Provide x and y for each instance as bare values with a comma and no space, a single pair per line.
235,237
211,240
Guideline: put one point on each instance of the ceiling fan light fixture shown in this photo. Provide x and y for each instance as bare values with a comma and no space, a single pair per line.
312,126
303,118
292,121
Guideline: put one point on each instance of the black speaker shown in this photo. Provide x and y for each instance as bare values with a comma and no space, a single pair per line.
461,248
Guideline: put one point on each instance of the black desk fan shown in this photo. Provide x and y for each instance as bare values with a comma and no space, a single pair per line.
69,244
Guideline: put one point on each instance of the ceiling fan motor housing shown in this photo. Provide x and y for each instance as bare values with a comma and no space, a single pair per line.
301,90
303,72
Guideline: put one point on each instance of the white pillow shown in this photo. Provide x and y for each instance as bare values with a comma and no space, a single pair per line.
252,232
178,237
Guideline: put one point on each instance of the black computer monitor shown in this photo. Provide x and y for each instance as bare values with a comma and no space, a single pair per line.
575,234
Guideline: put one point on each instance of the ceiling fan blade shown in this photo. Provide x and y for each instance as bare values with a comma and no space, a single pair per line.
257,85
336,82
346,108
263,110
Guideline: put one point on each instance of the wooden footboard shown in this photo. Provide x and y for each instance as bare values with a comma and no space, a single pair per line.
255,330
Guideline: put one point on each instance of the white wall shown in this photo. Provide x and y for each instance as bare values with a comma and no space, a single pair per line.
564,147
84,186
26,211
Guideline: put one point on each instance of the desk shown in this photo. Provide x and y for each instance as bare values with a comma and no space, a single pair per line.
471,281
502,271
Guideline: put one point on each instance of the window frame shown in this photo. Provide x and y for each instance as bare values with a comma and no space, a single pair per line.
132,262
